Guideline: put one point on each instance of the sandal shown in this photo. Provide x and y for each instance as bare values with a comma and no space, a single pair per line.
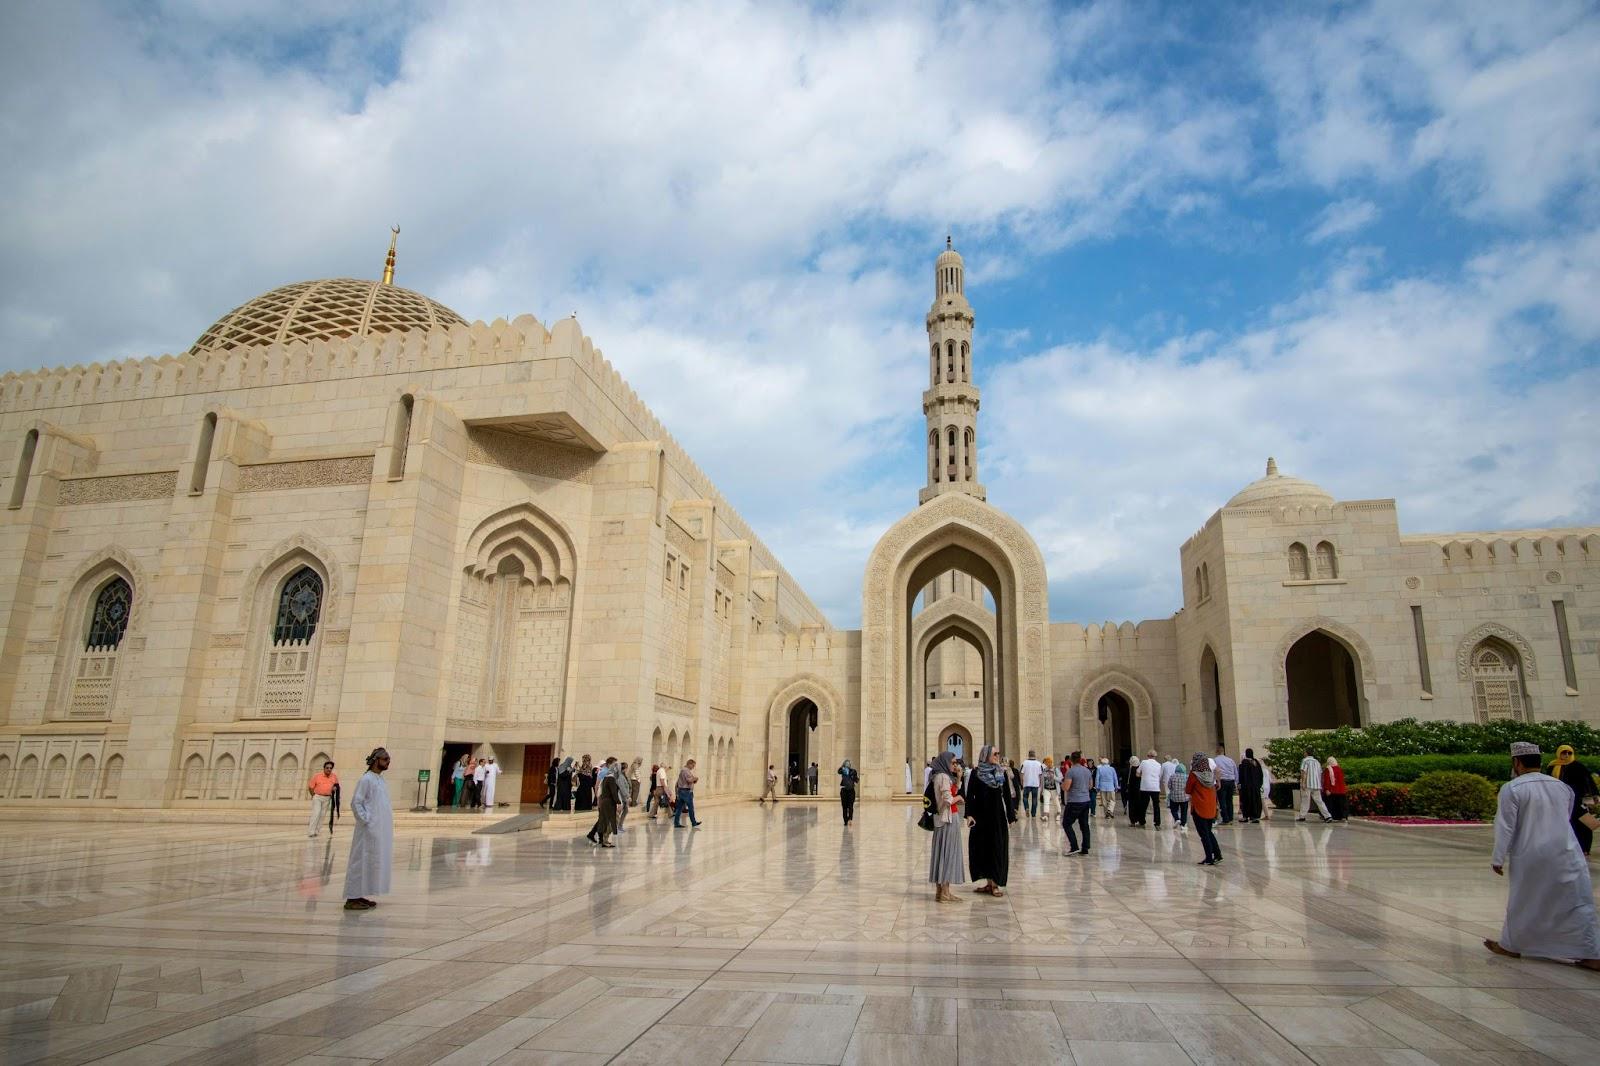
1588,964
1495,947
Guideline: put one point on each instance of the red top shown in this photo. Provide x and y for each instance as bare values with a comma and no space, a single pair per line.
1202,798
1333,780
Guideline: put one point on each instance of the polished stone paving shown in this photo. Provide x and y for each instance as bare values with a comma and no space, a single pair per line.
769,936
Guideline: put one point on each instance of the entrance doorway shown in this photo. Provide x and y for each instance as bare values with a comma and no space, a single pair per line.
445,794
535,764
801,748
958,742
1116,727
1323,690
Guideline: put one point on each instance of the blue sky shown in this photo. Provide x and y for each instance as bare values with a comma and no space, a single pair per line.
1364,238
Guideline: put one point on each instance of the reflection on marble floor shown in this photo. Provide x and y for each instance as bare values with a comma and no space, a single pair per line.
769,936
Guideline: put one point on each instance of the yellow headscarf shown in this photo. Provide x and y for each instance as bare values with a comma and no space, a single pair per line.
1564,755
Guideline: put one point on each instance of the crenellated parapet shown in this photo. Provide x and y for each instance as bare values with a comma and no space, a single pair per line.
1550,547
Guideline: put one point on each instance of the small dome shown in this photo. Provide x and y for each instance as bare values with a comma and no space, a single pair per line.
1275,488
331,309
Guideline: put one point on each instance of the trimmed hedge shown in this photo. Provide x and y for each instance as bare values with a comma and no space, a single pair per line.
1411,737
1406,768
1453,794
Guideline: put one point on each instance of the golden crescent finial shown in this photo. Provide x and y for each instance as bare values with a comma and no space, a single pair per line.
388,263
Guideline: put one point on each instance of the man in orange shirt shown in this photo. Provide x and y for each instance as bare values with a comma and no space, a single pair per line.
321,788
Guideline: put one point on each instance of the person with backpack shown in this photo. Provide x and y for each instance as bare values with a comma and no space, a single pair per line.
1048,785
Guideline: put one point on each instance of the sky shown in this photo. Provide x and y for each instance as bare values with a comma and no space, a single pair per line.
1361,238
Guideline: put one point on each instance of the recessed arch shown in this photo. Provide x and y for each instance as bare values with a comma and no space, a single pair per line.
829,705
951,617
1518,643
83,777
953,531
1360,652
111,778
1139,695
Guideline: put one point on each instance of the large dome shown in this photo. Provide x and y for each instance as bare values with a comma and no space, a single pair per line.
330,309
1274,488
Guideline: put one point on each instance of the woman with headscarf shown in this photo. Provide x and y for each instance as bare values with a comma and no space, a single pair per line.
1250,782
564,785
630,791
946,863
1570,771
458,780
1333,788
610,803
990,812
584,786
550,784
848,780
1130,789
1202,790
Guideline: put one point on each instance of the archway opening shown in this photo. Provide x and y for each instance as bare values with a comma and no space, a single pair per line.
1116,727
957,740
1211,694
802,744
1323,680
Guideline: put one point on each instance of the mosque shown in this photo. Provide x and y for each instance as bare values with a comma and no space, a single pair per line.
346,517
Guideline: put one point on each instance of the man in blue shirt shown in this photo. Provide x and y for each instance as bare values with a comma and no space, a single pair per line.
1105,782
1076,808
1227,783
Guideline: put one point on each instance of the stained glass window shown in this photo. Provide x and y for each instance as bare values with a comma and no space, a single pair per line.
111,611
299,607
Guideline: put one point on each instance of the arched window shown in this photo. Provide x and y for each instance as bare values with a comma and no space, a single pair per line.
288,777
83,778
933,362
109,621
950,361
966,374
971,449
111,778
92,664
194,777
28,777
255,777
55,778
1327,562
933,455
299,608
656,749
1299,562
5,776
222,777
1497,690
19,486
1205,581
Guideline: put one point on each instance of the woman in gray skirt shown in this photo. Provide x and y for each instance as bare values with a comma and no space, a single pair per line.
948,864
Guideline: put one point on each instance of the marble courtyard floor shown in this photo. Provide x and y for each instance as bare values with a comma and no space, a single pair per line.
769,936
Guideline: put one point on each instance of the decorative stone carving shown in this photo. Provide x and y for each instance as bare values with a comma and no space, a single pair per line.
527,455
336,636
306,474
1524,650
666,704
227,640
118,488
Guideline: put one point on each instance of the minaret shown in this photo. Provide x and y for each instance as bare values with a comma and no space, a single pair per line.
951,402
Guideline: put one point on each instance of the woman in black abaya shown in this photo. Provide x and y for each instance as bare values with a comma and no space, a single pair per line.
992,811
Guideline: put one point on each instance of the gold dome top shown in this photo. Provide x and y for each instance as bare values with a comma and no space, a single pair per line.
330,309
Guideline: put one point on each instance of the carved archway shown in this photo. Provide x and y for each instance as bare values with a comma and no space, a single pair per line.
952,532
816,689
1353,643
1482,633
1133,688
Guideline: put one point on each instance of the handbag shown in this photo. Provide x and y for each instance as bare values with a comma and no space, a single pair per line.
926,821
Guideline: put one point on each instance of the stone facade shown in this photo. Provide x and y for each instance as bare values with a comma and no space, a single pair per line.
220,568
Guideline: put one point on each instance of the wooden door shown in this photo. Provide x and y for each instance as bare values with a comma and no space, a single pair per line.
535,764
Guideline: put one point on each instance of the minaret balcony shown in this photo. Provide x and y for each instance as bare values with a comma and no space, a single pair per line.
947,392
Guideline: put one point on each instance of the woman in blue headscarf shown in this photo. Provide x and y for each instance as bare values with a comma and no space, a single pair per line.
990,812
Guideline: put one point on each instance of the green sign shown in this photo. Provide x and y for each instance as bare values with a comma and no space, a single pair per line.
423,775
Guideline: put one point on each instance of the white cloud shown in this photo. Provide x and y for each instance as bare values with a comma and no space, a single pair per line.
1501,99
1342,217
1113,457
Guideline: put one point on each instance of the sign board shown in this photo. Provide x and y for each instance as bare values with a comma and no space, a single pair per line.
423,775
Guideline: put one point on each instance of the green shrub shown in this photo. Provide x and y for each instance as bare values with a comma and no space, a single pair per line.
1453,794
1383,798
1496,768
1411,737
